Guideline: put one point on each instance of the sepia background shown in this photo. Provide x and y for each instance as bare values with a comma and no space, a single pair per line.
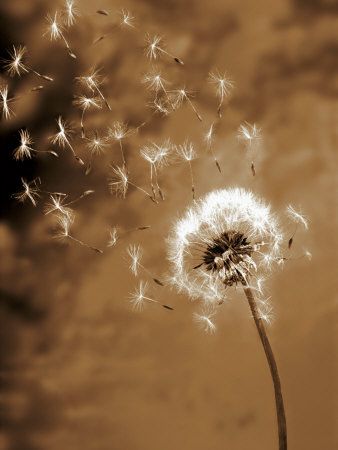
79,368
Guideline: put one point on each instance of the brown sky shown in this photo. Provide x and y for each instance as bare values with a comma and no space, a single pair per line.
80,369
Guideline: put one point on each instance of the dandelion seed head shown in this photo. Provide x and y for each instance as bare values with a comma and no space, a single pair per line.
85,102
118,131
204,320
152,48
7,113
64,222
157,154
56,204
54,28
113,237
296,216
135,254
139,296
154,80
224,85
70,13
96,144
24,150
249,133
14,65
30,191
126,18
186,151
118,183
62,136
227,238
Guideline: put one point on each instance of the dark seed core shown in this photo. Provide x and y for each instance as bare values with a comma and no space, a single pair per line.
230,253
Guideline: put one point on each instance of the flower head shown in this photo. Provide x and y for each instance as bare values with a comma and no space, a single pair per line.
118,183
24,150
224,85
30,191
15,65
226,238
135,255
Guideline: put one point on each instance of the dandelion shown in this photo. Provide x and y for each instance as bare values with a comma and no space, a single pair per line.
118,132
119,182
55,31
249,134
153,49
30,191
7,113
64,223
139,297
85,103
70,13
135,254
204,320
298,218
182,95
157,156
25,150
224,86
93,81
209,140
15,65
160,107
187,153
62,138
220,242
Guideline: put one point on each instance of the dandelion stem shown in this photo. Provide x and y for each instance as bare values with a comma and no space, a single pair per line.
122,154
70,51
282,434
192,180
103,97
144,191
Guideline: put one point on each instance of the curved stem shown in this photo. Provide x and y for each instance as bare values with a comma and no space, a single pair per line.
282,434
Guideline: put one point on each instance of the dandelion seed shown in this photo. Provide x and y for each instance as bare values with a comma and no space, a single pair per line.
160,107
139,297
296,216
187,153
118,132
126,18
135,254
113,237
85,103
62,138
155,82
56,204
157,156
30,191
249,133
24,150
153,49
16,66
224,87
55,31
181,95
70,13
119,181
7,113
209,139
93,81
64,222
205,322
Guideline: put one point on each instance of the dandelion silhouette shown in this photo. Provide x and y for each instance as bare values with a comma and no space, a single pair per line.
228,238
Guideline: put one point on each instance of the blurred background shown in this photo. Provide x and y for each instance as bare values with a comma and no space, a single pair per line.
79,368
